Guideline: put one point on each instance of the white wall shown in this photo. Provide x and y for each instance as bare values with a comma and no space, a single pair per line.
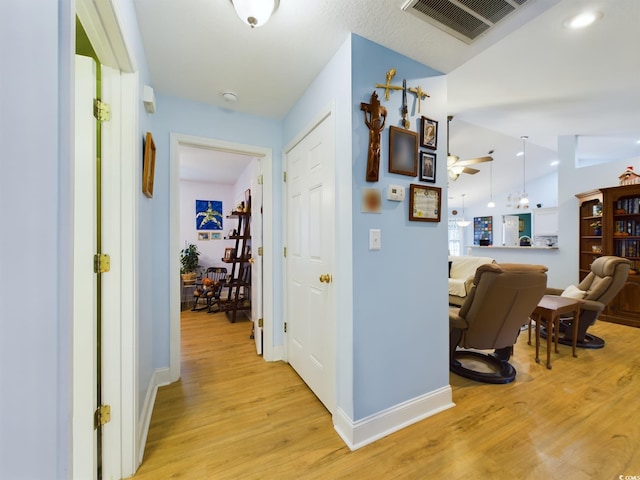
211,251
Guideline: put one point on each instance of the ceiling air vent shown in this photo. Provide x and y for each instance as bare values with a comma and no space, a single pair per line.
464,19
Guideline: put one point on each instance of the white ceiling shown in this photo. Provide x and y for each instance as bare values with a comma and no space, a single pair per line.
530,76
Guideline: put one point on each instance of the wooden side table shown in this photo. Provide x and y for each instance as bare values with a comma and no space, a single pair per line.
549,309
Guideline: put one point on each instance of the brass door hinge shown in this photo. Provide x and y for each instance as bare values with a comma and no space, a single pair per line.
285,327
102,416
260,251
260,179
284,177
101,263
260,322
285,252
101,110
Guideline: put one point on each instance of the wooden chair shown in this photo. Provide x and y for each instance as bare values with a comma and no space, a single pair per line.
209,288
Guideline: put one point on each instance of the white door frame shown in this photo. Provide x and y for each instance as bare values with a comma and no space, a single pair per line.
176,140
121,178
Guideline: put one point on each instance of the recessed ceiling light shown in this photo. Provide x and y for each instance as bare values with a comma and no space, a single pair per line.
229,97
582,20
519,154
638,142
554,163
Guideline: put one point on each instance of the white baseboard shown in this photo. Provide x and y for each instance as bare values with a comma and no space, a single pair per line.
159,378
277,354
374,427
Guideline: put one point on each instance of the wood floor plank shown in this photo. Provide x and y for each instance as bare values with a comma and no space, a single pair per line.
234,416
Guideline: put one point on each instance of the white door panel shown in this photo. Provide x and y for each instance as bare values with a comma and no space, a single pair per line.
310,255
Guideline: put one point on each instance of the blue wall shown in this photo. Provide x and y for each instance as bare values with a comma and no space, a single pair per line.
400,320
174,115
36,132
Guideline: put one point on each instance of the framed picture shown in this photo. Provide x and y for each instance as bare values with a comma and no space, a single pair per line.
428,167
149,165
429,133
424,203
202,236
208,215
403,151
216,235
229,253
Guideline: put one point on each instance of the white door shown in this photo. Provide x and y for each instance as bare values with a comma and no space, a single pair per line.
85,281
310,242
511,228
256,257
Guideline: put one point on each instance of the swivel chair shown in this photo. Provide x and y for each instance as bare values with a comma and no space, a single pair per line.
607,277
501,300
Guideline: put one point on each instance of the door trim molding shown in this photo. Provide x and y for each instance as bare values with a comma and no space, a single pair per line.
177,139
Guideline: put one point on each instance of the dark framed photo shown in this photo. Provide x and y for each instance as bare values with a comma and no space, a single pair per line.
424,203
429,133
229,253
403,151
247,200
428,167
149,165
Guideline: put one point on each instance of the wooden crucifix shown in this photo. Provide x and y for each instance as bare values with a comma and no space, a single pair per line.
375,121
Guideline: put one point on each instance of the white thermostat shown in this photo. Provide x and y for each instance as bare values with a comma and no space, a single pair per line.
395,193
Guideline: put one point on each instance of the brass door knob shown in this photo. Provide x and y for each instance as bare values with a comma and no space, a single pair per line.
325,278
251,261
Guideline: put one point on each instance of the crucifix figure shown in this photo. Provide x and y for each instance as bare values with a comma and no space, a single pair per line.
421,94
405,111
387,86
375,121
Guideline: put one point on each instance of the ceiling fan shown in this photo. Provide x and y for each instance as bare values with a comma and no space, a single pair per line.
456,167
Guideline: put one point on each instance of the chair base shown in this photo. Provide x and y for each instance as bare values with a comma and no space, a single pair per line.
590,341
505,372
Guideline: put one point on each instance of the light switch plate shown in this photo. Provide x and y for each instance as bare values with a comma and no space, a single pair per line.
395,193
374,239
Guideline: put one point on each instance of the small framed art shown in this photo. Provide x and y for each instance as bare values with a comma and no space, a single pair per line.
229,253
428,167
424,203
403,151
149,165
203,236
429,133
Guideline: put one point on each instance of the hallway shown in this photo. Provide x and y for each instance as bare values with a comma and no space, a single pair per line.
233,416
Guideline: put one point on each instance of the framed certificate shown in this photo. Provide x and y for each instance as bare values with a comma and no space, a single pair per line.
424,203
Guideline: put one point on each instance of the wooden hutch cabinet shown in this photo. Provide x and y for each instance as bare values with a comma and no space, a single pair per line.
610,225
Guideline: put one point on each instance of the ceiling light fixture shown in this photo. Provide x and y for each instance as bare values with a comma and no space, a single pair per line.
554,163
524,200
255,13
491,203
582,20
462,222
229,97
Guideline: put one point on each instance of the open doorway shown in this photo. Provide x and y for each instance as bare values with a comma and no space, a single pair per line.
246,167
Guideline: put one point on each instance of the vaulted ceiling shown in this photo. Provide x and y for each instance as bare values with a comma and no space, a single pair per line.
529,75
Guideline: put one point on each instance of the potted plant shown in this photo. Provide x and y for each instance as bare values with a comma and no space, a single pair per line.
597,227
189,260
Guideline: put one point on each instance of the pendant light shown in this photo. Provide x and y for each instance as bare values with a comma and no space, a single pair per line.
255,13
462,222
491,203
524,200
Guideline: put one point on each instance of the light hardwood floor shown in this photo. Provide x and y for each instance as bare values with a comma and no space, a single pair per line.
233,416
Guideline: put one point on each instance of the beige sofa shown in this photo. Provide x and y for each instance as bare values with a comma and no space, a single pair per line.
461,275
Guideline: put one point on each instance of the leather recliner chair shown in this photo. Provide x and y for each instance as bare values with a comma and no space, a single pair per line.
501,300
607,277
